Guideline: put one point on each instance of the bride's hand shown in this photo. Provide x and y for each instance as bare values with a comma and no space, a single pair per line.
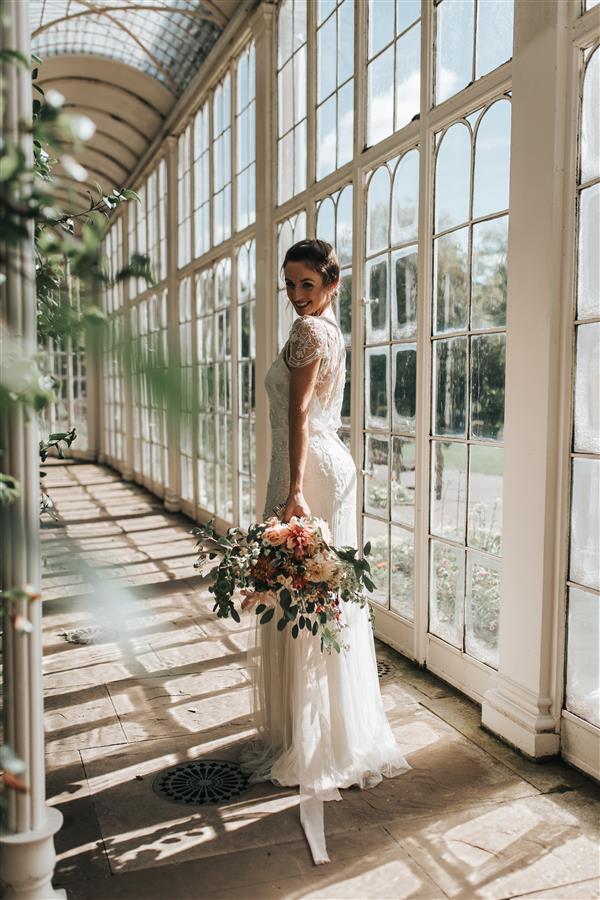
295,505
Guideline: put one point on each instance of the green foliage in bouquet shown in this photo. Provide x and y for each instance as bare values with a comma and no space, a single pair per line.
302,579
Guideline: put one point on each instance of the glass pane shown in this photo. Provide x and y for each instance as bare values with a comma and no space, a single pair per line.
285,150
405,199
588,279
404,378
324,8
454,58
447,588
344,226
488,358
326,221
345,305
345,40
345,116
453,177
286,94
379,559
494,34
381,25
450,379
485,499
376,310
482,608
300,157
376,387
583,667
408,76
489,273
402,598
451,265
587,389
585,523
300,85
590,121
377,475
492,160
448,489
326,49
346,400
380,75
326,137
404,288
378,210
406,13
299,23
402,487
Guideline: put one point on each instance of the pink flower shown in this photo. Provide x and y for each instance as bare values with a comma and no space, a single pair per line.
277,534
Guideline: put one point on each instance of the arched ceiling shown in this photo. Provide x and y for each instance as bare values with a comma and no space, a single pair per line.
122,63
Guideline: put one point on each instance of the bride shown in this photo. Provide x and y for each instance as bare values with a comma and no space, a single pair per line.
320,717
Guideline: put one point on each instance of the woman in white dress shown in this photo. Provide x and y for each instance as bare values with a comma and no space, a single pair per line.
319,716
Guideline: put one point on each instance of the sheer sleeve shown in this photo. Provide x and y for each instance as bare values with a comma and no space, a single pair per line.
307,342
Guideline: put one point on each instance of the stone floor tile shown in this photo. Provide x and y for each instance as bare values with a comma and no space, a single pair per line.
79,846
86,719
465,716
188,703
581,890
496,850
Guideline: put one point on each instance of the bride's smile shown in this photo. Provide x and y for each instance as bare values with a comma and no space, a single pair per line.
306,290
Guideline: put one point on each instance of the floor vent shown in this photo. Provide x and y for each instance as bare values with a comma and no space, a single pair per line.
201,782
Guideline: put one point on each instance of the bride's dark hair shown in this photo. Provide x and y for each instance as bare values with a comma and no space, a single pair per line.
319,255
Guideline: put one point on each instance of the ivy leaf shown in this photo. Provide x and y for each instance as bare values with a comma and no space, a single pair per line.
235,614
282,623
295,631
368,583
266,617
260,608
367,548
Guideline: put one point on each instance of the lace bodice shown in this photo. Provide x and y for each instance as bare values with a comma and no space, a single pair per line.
311,338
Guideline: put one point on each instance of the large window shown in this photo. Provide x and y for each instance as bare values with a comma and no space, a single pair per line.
390,367
245,166
468,353
335,85
246,343
201,181
291,94
114,400
583,585
393,66
186,418
221,157
184,197
472,38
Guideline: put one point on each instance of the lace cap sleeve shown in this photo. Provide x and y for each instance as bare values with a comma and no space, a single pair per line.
307,342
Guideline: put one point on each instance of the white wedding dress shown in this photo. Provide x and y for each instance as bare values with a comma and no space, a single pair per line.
320,717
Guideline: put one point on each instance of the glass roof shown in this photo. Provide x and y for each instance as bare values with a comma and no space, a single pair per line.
168,39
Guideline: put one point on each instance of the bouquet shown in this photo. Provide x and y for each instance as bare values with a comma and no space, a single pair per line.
289,570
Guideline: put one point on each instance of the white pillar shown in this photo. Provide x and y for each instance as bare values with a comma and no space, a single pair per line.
27,854
266,286
524,705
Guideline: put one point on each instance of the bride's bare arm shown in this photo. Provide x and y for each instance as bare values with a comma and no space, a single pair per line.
302,385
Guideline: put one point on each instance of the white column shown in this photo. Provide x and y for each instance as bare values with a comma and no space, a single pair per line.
27,854
172,498
266,287
523,707
127,461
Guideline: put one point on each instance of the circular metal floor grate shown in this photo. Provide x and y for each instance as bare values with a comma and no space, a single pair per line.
204,781
383,669
90,634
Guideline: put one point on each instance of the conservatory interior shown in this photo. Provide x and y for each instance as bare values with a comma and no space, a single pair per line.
450,151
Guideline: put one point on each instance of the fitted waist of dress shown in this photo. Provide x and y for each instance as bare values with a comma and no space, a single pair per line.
283,430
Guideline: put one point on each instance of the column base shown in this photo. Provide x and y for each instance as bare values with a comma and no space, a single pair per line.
27,861
520,718
172,502
127,474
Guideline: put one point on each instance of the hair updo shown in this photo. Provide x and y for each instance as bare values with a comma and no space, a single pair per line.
318,255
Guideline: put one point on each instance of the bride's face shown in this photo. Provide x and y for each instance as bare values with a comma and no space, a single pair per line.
305,289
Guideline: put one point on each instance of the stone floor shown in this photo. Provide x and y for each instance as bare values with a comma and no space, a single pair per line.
167,683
